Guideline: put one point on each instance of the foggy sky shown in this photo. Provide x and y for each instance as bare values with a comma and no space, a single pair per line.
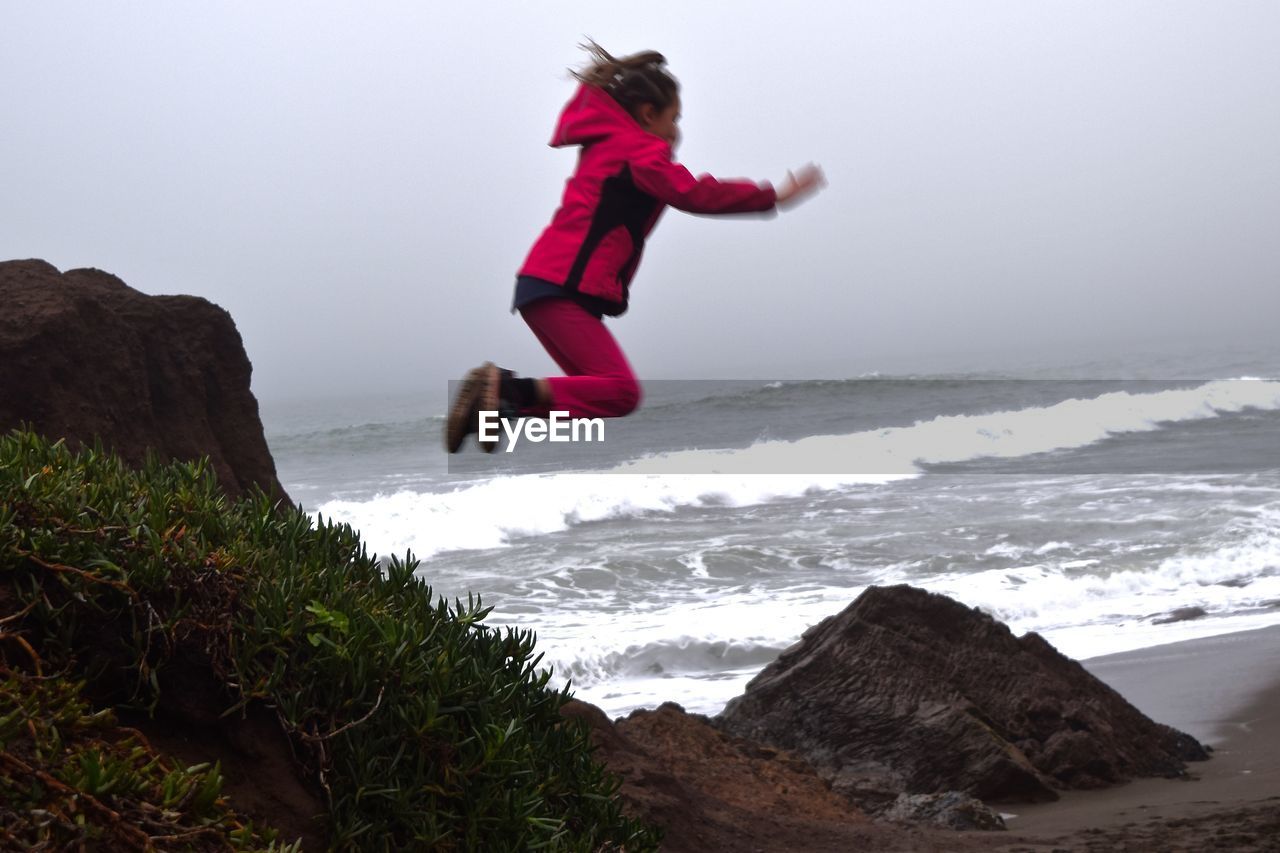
358,183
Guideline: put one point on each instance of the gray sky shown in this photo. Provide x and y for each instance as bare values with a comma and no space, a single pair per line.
358,183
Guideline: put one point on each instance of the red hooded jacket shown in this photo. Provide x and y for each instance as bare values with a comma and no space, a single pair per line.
624,180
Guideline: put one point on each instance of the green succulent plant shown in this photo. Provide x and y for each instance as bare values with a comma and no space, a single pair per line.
423,727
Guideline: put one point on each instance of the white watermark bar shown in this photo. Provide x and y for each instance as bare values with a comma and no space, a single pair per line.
890,427
556,427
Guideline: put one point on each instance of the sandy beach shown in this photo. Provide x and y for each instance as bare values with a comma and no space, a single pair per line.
1223,690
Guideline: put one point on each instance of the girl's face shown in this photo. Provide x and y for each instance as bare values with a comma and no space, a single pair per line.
663,123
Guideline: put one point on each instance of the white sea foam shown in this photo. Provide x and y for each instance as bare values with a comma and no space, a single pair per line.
1049,547
1234,578
701,651
684,651
1005,549
491,513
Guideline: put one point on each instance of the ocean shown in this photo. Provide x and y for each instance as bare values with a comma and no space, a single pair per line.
1106,506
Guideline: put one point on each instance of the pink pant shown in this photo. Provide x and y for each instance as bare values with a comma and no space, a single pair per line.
599,382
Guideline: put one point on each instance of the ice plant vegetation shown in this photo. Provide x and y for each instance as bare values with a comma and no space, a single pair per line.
422,727
71,778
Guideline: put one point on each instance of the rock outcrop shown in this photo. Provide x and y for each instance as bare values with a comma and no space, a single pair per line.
907,691
83,355
706,789
711,791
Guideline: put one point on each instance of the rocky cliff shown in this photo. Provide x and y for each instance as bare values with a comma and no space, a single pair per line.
83,355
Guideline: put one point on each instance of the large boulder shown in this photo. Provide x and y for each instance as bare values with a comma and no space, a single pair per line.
83,355
908,691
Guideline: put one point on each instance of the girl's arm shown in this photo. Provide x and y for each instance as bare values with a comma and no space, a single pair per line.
655,173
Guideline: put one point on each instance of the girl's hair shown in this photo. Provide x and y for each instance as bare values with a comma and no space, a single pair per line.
631,80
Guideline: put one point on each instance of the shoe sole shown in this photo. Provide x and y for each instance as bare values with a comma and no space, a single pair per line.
488,400
462,419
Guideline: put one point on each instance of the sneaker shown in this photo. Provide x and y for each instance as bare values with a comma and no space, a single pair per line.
463,418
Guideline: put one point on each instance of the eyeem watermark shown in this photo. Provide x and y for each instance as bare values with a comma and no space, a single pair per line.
557,426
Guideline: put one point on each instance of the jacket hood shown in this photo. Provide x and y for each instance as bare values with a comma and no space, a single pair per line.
591,115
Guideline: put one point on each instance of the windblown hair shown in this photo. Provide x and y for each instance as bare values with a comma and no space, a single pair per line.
632,80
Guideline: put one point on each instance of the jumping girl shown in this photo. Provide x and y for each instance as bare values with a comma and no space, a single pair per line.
624,115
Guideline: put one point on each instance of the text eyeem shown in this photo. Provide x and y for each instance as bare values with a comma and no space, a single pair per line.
557,426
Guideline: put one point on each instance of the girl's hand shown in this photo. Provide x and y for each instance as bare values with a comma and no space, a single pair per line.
797,187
